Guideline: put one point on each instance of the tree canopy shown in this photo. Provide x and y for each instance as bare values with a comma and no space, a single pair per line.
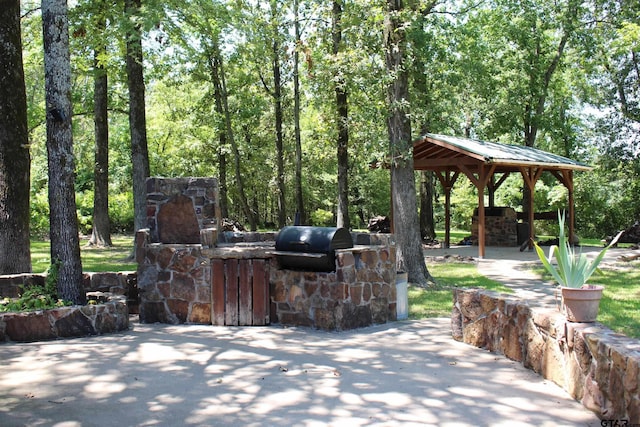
220,82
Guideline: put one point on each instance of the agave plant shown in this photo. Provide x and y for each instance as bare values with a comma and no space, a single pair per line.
572,270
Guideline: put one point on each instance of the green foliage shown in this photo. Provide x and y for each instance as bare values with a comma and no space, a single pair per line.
572,270
39,221
476,71
121,212
321,217
37,297
607,198
84,208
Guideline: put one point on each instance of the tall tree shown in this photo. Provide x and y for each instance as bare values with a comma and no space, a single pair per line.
206,22
342,118
410,256
15,255
276,93
296,112
423,63
222,106
101,230
137,115
65,243
615,56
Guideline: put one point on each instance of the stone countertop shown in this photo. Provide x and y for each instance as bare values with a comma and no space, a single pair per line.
224,250
241,250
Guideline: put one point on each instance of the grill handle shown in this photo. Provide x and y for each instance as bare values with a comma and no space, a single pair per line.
300,243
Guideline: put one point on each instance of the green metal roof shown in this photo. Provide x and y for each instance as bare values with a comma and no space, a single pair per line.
433,147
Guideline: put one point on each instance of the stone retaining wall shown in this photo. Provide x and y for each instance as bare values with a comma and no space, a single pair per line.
65,322
594,365
122,283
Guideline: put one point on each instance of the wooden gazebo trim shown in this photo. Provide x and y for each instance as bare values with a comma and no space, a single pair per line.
480,160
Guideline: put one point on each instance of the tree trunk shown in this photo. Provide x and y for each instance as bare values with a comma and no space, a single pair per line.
15,255
410,257
223,195
423,103
296,116
342,120
101,230
65,243
427,229
277,98
137,117
222,107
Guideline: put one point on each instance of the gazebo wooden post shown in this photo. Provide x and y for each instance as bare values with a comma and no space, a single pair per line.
480,182
572,208
481,219
530,176
567,179
532,215
447,182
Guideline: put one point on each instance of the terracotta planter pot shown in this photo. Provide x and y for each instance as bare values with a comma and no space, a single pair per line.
581,304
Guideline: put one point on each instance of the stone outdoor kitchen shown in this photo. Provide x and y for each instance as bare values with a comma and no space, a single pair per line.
189,272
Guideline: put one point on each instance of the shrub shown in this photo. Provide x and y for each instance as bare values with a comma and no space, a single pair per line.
37,297
320,217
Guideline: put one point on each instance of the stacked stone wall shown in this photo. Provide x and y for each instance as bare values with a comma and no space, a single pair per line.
122,283
65,322
178,208
594,365
500,230
174,282
361,291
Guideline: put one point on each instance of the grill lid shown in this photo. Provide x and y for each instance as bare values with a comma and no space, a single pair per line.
308,239
311,248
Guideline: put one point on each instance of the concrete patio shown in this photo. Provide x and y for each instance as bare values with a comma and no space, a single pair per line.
399,374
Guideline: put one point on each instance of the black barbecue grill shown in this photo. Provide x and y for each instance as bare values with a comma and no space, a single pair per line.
311,248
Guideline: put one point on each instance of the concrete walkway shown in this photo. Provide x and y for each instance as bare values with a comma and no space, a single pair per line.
409,373
515,269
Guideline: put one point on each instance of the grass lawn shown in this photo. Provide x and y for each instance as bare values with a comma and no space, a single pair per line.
115,258
437,303
620,304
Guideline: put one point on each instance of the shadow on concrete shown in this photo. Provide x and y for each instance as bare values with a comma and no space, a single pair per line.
402,373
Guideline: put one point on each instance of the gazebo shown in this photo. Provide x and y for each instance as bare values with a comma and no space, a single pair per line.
487,165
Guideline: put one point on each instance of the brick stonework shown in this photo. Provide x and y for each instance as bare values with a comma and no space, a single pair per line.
175,283
65,322
178,208
594,365
361,291
500,228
